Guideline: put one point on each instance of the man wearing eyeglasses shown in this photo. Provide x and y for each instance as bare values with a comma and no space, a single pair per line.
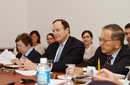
112,53
127,34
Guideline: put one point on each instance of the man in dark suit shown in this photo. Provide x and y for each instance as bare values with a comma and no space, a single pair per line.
112,54
66,49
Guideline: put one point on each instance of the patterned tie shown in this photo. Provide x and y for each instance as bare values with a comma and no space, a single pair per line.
108,62
59,53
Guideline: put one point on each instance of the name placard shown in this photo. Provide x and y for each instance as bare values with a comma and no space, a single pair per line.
6,70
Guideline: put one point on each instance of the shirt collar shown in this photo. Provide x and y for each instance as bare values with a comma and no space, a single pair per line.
65,42
114,55
89,48
27,53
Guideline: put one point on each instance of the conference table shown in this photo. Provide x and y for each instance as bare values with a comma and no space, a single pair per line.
6,78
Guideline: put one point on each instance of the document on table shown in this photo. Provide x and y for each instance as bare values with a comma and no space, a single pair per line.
27,72
6,56
94,73
55,81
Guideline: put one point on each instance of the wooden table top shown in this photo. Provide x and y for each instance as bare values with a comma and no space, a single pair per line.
8,78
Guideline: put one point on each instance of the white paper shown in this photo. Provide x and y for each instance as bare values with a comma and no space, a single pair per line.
61,76
6,57
94,73
13,66
89,68
55,81
27,72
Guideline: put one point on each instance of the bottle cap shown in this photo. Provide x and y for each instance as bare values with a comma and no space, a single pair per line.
43,60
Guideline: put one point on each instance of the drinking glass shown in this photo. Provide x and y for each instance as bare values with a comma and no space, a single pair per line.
50,64
127,79
69,75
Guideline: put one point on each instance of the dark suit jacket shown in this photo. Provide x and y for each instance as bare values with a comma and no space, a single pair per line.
34,56
72,53
122,60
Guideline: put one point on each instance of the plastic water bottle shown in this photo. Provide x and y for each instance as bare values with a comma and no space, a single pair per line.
43,73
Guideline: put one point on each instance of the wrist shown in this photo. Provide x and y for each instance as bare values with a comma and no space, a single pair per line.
84,70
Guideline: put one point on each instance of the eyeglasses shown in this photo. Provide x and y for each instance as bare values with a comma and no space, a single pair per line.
103,41
49,38
19,46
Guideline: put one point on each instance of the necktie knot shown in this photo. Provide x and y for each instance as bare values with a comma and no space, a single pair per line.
109,57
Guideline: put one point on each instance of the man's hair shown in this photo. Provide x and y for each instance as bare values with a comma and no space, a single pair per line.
127,26
38,35
118,33
64,23
25,38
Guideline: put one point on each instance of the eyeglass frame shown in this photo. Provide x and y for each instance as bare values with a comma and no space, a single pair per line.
105,40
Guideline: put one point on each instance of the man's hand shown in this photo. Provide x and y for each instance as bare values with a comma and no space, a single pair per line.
109,76
78,71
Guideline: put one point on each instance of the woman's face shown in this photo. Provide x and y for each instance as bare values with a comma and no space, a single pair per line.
87,39
50,39
22,47
34,38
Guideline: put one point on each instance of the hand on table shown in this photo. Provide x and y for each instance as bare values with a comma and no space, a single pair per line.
108,76
26,64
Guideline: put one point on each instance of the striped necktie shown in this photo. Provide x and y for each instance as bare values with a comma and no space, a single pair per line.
59,53
108,62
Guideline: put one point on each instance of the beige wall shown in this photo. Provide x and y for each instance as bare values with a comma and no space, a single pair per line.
27,15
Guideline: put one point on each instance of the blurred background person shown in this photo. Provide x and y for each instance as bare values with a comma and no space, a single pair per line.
127,34
50,38
35,36
15,51
24,45
87,38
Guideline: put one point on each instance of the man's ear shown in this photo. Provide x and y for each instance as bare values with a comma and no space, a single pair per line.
28,45
117,44
67,29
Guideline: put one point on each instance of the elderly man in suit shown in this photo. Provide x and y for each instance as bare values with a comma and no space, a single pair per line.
66,49
112,53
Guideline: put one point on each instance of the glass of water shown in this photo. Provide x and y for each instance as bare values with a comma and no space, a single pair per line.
70,74
127,79
50,63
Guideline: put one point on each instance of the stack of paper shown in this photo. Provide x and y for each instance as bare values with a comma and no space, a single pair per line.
6,56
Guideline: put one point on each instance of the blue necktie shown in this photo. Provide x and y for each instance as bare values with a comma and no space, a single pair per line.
59,53
108,62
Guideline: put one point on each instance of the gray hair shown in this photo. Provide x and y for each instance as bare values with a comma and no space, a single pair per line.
118,33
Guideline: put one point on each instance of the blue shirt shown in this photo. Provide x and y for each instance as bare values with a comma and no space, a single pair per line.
114,55
27,53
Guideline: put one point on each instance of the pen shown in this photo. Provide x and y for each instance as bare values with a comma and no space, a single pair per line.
98,66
